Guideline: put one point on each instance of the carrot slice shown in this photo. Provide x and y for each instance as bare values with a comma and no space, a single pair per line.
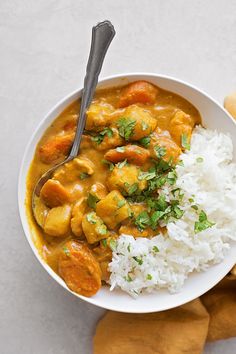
138,92
55,148
132,153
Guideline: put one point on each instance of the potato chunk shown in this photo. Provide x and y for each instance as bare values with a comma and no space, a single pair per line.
126,180
163,146
79,268
54,194
98,115
77,216
57,222
55,148
74,170
132,153
135,123
94,227
113,209
180,124
138,92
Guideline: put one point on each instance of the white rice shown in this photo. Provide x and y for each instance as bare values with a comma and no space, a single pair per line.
212,184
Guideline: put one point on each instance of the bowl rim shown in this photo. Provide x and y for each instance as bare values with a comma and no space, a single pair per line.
22,213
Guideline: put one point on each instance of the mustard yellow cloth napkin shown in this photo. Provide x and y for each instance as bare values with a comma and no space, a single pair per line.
184,329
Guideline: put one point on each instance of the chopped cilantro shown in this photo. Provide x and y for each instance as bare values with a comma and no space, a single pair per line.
146,175
104,242
195,207
185,142
149,277
133,188
121,203
160,151
66,251
102,229
138,260
83,175
109,164
126,127
155,249
121,164
191,200
92,200
113,244
145,141
99,138
91,217
203,223
172,177
128,278
128,247
142,220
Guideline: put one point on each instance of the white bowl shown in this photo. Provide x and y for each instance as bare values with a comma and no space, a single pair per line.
214,117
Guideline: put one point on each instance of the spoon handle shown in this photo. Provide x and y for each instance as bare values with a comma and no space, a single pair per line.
102,35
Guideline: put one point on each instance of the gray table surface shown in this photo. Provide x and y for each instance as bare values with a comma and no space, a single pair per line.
44,46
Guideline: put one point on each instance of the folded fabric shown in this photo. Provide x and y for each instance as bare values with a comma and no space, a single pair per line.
184,329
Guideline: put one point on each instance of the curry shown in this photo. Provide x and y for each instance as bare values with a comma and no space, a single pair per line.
132,141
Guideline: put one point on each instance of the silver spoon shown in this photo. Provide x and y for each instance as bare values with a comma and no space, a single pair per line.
102,35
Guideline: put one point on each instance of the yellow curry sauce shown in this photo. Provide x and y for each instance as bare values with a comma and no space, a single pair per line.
133,138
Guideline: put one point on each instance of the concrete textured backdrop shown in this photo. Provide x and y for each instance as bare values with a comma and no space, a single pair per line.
44,48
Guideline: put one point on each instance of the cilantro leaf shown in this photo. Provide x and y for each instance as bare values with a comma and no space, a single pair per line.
66,251
138,260
185,141
142,220
203,223
83,175
145,141
121,203
109,164
100,137
91,217
92,200
160,151
126,127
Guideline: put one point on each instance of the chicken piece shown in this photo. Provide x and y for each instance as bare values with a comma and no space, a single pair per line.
126,180
113,209
162,146
104,141
135,123
57,222
77,216
74,170
181,124
98,115
94,227
79,269
56,148
138,92
54,194
132,153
